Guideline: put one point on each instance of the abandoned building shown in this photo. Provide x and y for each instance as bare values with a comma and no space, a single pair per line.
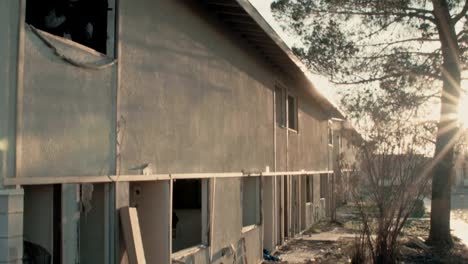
195,113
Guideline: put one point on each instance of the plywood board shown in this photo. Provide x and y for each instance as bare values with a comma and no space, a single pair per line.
132,235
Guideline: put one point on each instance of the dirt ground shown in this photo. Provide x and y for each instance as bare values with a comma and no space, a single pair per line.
329,243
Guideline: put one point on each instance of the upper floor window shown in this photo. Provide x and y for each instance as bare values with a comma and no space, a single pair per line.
286,109
292,112
83,21
280,106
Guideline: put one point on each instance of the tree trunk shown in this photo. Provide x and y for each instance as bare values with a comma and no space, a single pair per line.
439,234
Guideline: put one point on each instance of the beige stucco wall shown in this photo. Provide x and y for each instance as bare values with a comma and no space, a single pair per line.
189,102
65,113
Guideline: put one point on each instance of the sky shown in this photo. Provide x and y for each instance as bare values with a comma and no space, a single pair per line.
263,6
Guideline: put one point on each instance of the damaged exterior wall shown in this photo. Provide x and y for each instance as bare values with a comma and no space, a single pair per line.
187,95
65,120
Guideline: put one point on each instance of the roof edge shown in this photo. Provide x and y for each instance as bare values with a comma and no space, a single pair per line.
332,109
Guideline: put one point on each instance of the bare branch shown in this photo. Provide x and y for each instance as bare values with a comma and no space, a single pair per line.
419,10
414,14
462,13
386,55
399,41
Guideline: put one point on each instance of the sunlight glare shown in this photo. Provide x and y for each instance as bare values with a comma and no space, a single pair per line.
463,110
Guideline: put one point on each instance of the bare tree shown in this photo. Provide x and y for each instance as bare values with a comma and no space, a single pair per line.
387,186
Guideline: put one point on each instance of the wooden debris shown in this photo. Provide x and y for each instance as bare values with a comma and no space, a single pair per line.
132,235
418,243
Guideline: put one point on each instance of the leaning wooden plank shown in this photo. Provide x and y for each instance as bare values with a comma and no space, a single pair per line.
132,235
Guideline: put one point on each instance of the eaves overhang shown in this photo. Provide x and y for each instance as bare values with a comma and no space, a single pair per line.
243,18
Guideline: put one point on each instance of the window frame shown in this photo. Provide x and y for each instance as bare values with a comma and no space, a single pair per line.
280,110
330,134
206,212
258,206
296,112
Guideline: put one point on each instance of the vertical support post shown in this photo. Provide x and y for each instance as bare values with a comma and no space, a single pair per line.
70,223
117,193
11,200
122,199
109,223
212,199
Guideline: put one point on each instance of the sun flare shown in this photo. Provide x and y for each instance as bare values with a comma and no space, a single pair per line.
463,110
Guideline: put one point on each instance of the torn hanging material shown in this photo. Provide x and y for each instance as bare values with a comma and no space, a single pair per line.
86,197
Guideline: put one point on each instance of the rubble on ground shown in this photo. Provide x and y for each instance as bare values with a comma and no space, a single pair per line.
333,242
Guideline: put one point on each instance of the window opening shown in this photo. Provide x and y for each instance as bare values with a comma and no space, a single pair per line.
250,201
292,112
323,185
189,213
309,189
83,21
330,136
280,106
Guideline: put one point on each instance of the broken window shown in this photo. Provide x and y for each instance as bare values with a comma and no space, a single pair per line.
292,112
250,189
189,213
280,106
83,21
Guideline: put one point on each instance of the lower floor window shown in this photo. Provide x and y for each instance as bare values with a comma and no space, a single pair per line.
189,213
309,188
250,189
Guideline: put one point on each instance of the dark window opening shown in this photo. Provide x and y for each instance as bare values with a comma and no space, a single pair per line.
323,185
189,213
292,112
309,189
83,21
280,106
